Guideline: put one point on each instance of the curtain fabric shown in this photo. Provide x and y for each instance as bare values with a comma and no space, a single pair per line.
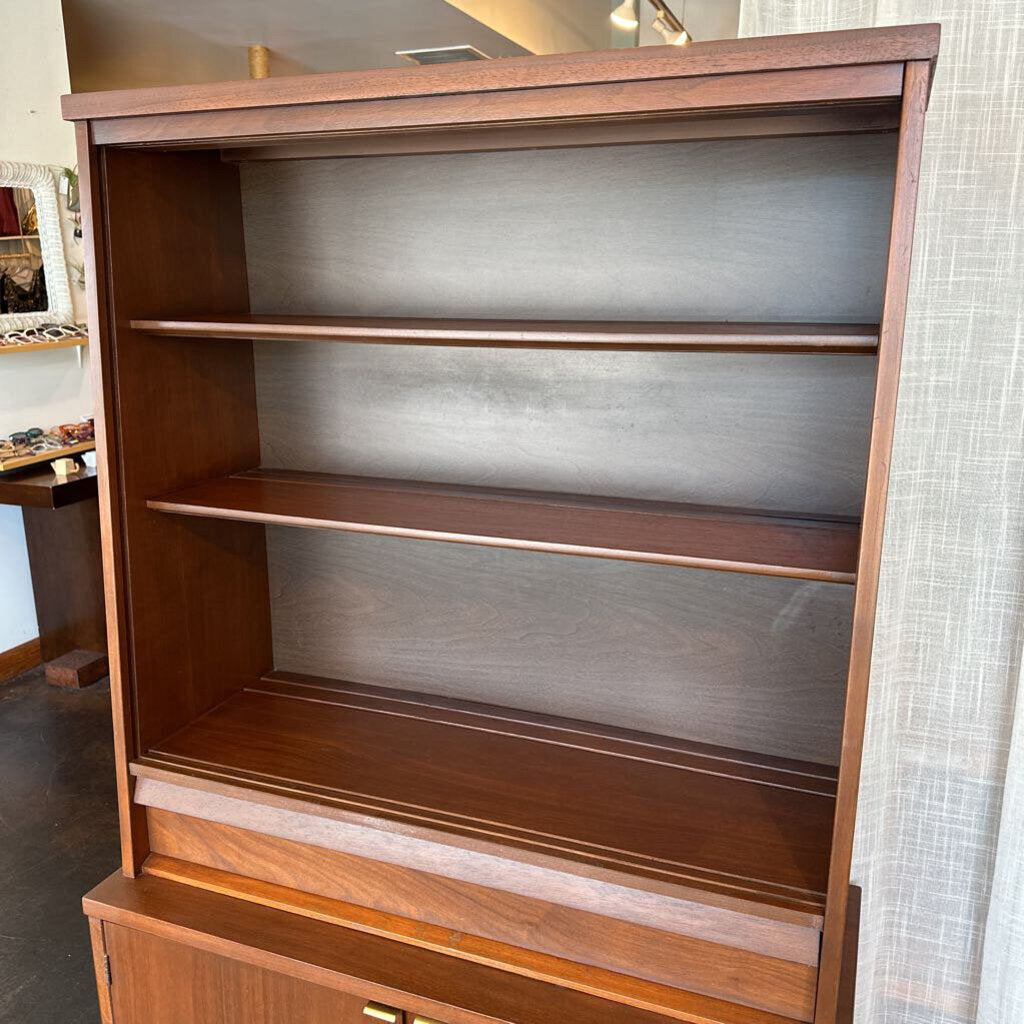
940,831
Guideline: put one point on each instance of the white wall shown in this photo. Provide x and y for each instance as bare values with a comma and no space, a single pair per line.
42,388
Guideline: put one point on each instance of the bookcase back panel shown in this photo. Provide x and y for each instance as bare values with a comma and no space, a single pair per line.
746,661
777,432
765,229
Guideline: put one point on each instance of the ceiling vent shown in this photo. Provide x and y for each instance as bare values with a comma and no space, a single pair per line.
442,55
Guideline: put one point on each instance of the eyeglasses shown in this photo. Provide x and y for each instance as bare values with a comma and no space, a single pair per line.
23,438
35,441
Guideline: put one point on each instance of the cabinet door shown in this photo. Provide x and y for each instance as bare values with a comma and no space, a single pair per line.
154,981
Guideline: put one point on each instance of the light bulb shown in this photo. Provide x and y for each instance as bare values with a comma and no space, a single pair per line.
671,36
625,15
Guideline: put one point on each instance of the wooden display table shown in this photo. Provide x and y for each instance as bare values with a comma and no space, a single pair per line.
62,532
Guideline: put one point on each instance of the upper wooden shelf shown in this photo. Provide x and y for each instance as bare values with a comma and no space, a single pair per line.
649,809
621,335
696,536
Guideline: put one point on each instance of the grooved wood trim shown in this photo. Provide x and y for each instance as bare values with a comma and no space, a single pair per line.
718,57
792,996
395,973
516,925
915,102
16,660
732,822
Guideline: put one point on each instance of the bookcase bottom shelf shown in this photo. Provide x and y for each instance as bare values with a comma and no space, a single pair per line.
609,820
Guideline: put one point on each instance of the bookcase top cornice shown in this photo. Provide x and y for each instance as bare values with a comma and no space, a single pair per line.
715,57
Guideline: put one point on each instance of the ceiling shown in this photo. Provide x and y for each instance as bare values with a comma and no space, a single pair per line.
121,44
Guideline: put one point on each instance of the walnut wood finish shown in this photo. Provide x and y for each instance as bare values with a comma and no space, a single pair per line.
101,965
720,836
18,659
866,85
182,413
354,962
697,913
67,583
717,57
40,487
824,120
478,923
77,668
62,535
781,544
674,813
915,102
131,818
146,988
665,337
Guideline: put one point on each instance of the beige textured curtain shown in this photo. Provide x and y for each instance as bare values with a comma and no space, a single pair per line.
940,835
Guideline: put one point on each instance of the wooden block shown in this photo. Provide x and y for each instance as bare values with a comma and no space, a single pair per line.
76,669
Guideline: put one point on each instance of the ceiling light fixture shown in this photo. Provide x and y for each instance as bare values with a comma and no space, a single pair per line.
673,36
665,21
625,15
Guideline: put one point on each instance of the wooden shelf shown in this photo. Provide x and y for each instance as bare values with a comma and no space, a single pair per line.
48,456
43,346
695,536
40,487
859,339
656,812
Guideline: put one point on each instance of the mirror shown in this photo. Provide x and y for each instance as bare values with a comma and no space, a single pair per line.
33,274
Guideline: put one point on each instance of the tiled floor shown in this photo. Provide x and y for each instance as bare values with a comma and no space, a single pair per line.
58,838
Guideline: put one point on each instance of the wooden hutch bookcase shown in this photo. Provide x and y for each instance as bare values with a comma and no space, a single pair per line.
374,352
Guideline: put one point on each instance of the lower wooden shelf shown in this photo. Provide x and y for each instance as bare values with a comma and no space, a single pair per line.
507,798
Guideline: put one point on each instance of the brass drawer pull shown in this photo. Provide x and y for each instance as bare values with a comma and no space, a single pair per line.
378,1011
420,1019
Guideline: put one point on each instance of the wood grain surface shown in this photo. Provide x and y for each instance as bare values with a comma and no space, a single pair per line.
784,932
753,662
677,816
719,57
753,230
373,967
182,413
915,103
617,335
780,544
826,119
65,559
780,988
520,926
40,487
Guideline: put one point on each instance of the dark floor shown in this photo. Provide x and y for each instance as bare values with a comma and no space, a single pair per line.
58,838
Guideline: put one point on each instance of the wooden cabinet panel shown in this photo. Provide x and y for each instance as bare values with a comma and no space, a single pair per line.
146,987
